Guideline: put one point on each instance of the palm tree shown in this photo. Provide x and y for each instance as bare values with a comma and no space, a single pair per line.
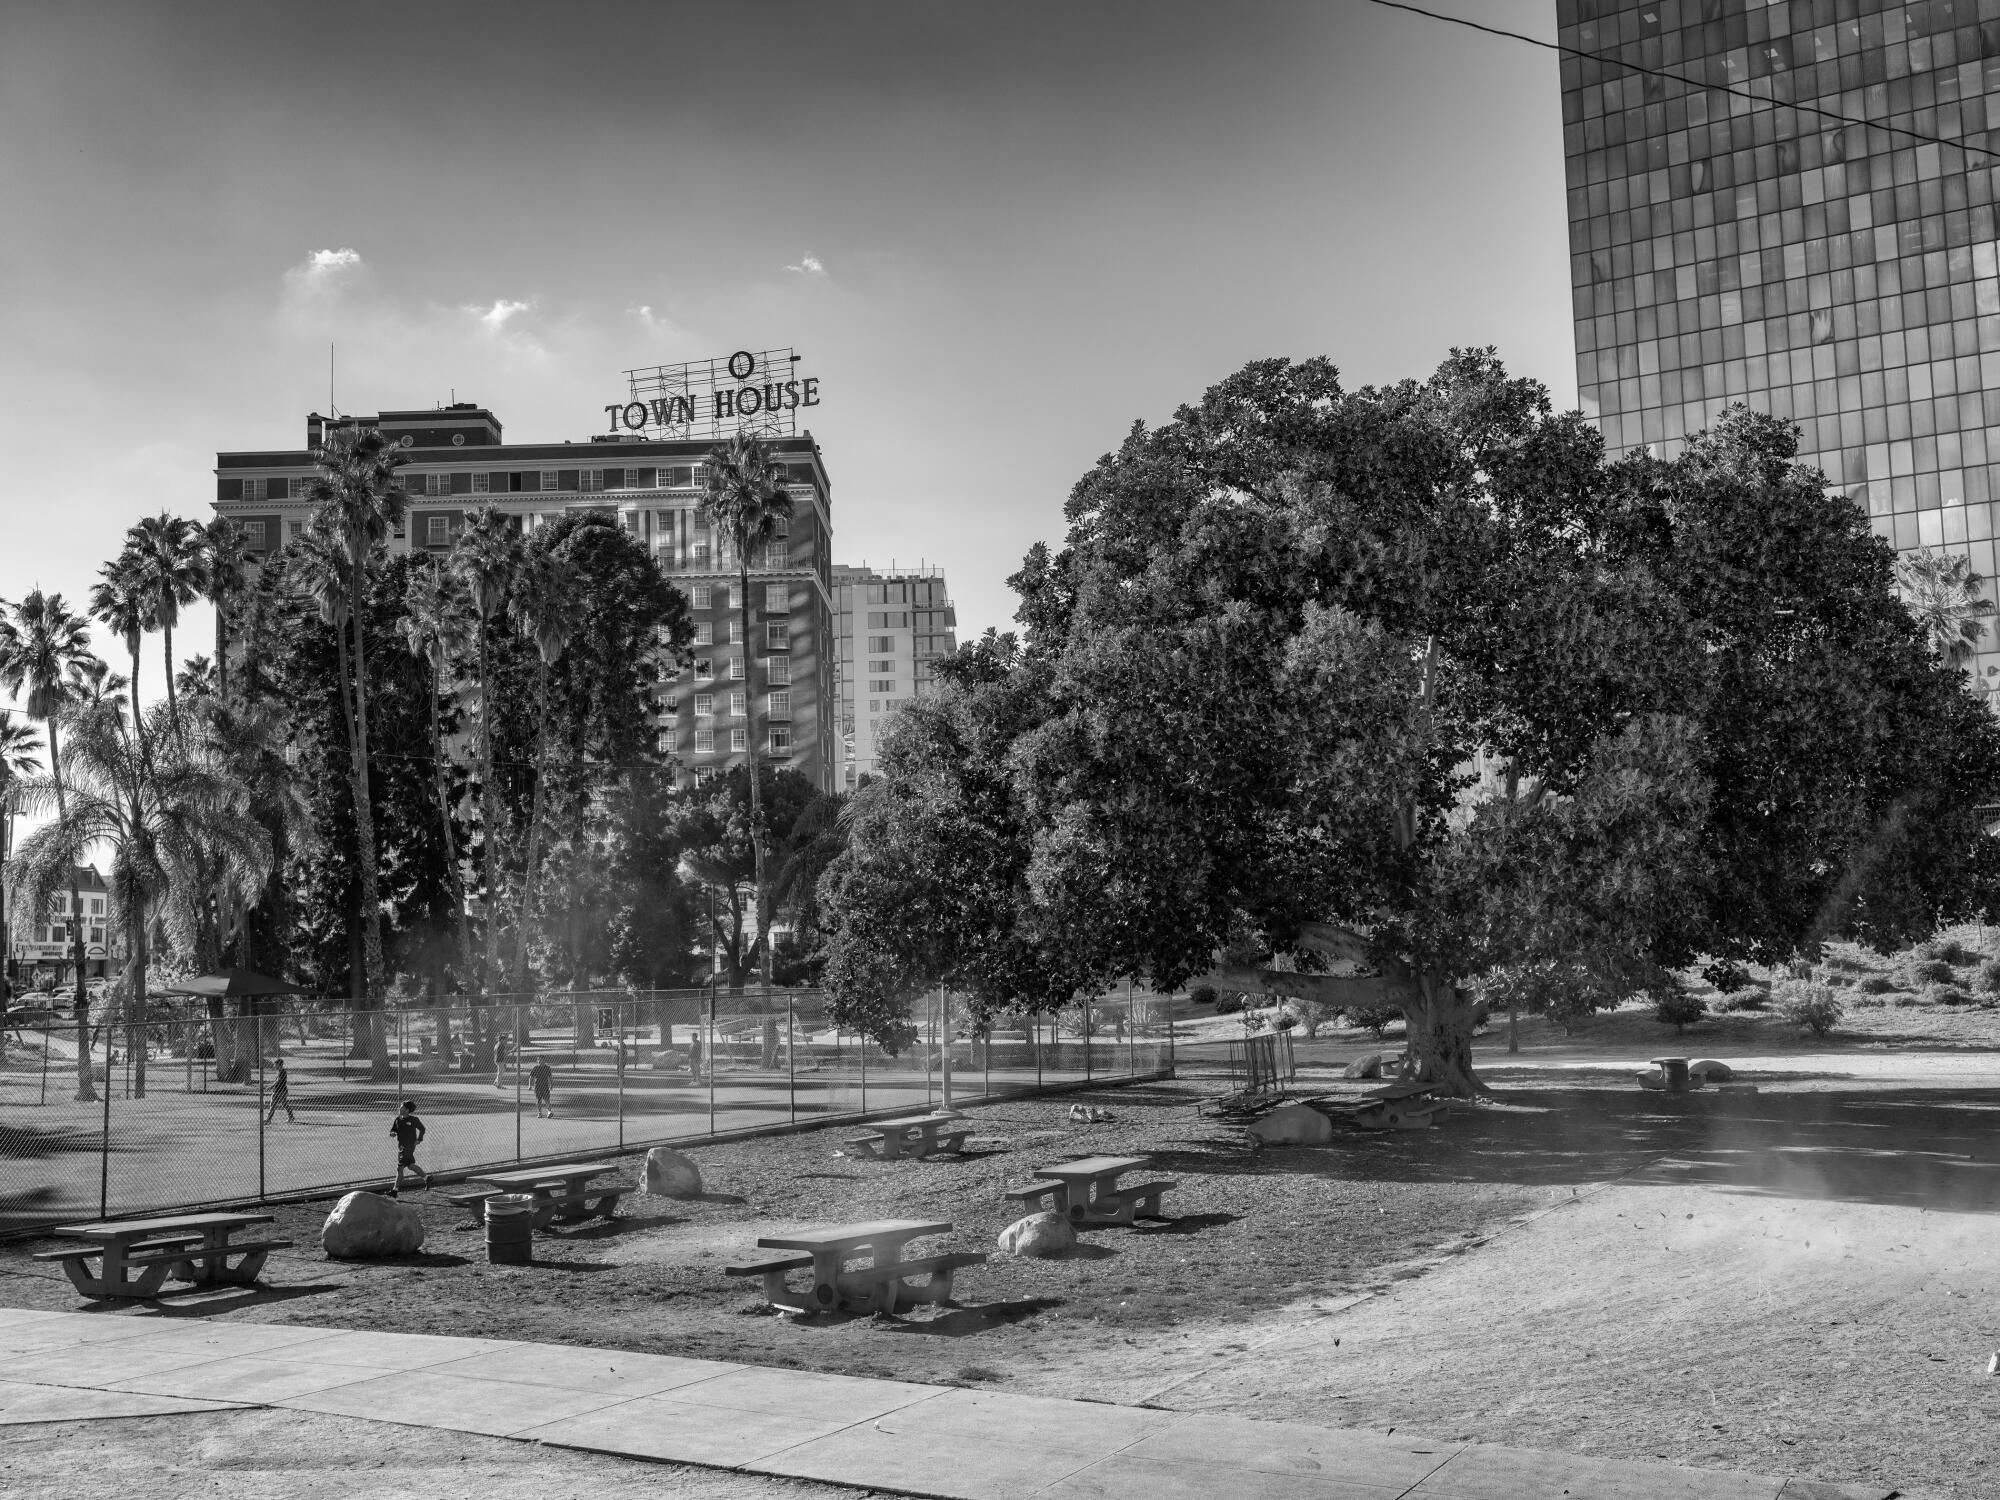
154,820
228,577
42,644
543,608
744,497
1942,594
487,559
91,680
170,557
124,601
436,628
357,501
20,755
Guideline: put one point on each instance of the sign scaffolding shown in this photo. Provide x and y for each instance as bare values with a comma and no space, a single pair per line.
755,391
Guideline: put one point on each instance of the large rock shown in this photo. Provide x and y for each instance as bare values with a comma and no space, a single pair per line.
668,1174
365,1225
1038,1236
1292,1125
1710,1069
1368,1065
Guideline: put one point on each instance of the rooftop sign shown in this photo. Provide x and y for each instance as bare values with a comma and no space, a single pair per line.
759,392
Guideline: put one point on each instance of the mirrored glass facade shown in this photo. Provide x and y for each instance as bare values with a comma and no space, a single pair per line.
1843,275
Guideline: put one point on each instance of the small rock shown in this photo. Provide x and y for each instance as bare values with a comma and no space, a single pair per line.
1292,1125
363,1225
1038,1236
668,1174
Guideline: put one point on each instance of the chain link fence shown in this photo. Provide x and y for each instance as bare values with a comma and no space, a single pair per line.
195,1108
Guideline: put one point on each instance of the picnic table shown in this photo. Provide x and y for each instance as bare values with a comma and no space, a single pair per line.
135,1256
1087,1190
913,1135
561,1192
878,1284
1405,1105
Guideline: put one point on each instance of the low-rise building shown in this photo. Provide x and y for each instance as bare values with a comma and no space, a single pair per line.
42,943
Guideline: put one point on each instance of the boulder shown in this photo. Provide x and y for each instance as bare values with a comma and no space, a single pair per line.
668,1174
1292,1125
1368,1065
366,1225
1711,1070
1038,1236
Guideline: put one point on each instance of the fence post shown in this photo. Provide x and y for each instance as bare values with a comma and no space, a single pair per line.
258,1032
618,1026
708,1057
402,1043
791,1062
1086,1040
514,1030
48,1037
1131,1027
104,1137
944,1048
861,1041
1035,1024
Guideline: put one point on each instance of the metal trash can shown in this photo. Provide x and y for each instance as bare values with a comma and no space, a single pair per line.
1675,1072
510,1227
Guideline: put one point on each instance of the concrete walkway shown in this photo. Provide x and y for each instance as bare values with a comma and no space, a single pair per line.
871,1434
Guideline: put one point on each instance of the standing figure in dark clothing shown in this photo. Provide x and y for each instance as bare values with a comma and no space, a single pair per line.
408,1131
542,1077
281,1095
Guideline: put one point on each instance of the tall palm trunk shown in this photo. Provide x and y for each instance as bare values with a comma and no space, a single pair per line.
173,707
372,961
489,825
443,787
86,1093
135,992
535,807
756,780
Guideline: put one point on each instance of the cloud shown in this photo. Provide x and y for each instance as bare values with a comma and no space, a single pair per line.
809,265
496,316
324,273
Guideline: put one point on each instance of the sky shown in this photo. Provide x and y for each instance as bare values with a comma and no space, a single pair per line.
999,233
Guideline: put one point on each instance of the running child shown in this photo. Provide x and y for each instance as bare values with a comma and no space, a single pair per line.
408,1131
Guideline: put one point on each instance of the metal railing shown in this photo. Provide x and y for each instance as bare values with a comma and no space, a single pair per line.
189,1108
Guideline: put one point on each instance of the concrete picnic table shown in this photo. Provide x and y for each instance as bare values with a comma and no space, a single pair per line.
192,1247
1407,1105
876,1285
1087,1190
561,1191
911,1135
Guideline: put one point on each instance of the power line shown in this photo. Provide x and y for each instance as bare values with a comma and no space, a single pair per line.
1686,82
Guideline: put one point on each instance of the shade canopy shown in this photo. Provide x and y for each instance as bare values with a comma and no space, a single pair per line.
235,984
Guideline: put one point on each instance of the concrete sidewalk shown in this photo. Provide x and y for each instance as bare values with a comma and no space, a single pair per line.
871,1434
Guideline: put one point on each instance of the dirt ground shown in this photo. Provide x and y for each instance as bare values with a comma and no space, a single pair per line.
1796,1283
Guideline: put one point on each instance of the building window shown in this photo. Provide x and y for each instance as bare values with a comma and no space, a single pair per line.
58,934
550,481
780,705
777,555
874,705
777,637
777,598
781,526
590,479
738,707
482,483
885,685
736,668
881,643
704,634
437,530
664,742
739,739
729,630
704,666
253,535
699,596
670,703
253,489
892,704
882,666
778,669
704,742
781,740
700,476
704,705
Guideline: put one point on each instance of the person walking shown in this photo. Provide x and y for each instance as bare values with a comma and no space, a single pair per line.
408,1131
542,1077
281,1095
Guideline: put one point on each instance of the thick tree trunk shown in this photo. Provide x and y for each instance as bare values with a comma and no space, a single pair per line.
456,879
535,806
1438,1016
489,830
135,1004
750,739
373,965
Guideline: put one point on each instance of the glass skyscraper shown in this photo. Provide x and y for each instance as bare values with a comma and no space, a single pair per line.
1731,239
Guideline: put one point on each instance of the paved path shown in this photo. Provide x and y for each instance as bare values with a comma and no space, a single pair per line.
872,1434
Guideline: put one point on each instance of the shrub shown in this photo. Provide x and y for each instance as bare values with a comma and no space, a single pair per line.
1227,1004
1945,950
1877,984
1678,1009
1285,1022
1375,1018
1813,1006
1988,977
1929,971
1750,999
1203,994
1947,994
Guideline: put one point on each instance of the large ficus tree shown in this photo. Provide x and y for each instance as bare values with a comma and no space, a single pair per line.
1409,684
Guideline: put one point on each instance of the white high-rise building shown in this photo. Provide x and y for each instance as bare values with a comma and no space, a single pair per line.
889,626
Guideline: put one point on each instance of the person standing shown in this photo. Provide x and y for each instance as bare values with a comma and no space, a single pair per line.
408,1131
281,1095
500,1062
542,1077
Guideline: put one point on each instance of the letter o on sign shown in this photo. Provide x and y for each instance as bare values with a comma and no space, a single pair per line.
742,364
749,401
635,423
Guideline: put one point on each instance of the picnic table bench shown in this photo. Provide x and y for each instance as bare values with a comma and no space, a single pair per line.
135,1257
879,1283
1404,1105
561,1192
913,1135
1087,1191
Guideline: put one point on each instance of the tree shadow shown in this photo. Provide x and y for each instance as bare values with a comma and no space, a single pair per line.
599,1229
216,1302
1184,1224
965,1322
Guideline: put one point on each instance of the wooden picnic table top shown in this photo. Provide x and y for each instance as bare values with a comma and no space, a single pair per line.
561,1172
849,1236
940,1117
1094,1166
137,1229
1407,1090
